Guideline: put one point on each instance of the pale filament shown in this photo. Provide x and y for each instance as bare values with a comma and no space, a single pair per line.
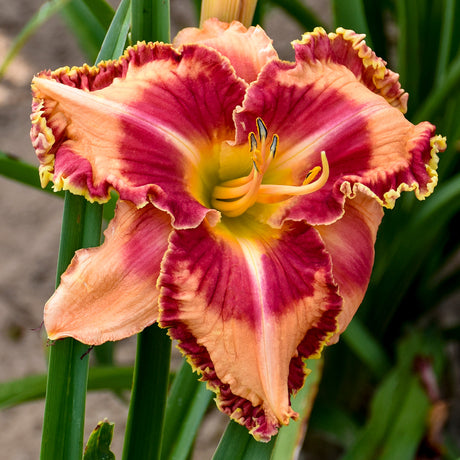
234,197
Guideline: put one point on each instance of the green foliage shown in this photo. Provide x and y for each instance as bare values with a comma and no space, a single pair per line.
98,446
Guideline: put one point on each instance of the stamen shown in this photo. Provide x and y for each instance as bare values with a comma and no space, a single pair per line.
262,129
311,175
274,145
252,142
269,193
234,197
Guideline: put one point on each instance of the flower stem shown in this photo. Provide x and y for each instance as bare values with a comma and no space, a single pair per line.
64,417
144,428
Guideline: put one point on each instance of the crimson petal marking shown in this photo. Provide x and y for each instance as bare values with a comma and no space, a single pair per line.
151,132
322,106
243,307
109,292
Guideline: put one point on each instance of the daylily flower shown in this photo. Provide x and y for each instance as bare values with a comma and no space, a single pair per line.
251,190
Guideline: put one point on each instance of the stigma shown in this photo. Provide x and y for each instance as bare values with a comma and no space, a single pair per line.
234,197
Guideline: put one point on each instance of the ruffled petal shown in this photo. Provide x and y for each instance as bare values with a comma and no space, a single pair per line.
248,49
324,102
109,292
246,307
146,125
350,243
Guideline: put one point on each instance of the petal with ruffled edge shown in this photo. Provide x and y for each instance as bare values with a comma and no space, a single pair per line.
350,243
248,49
243,301
146,125
109,292
339,98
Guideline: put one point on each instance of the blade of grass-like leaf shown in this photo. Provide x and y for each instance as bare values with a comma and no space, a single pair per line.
88,30
375,13
148,397
290,438
408,47
68,361
102,11
47,10
237,444
20,171
350,14
27,174
447,31
150,20
115,41
436,100
400,405
190,423
299,12
183,388
33,387
233,442
361,341
335,422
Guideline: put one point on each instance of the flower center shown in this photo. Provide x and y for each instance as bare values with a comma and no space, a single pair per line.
233,197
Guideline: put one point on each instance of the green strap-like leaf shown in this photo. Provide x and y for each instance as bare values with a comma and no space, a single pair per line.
290,438
150,20
400,406
350,14
115,41
88,28
20,171
238,444
18,391
371,353
98,446
144,427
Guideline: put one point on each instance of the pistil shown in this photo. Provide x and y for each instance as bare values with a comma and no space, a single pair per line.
234,197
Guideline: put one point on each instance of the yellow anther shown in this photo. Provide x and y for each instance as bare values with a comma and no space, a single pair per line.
311,175
234,197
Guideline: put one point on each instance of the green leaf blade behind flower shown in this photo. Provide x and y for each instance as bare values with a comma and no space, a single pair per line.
115,41
89,22
351,15
290,438
401,405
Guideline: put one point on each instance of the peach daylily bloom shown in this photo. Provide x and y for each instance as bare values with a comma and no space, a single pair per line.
251,190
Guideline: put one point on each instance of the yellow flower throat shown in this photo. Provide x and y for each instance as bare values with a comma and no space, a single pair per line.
233,197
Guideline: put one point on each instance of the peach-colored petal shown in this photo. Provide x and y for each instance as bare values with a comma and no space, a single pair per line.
247,303
320,105
350,243
145,125
248,49
109,292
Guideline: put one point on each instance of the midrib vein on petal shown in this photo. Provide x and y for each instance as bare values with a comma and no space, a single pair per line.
81,99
